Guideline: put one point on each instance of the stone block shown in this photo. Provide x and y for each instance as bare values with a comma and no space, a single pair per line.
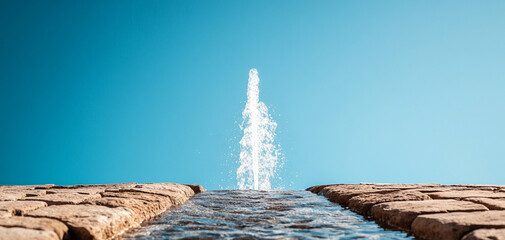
21,207
178,193
45,224
11,195
466,194
485,234
84,191
63,198
342,193
23,234
452,226
401,214
492,204
143,209
90,221
362,203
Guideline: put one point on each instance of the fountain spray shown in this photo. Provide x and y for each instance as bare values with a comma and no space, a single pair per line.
258,154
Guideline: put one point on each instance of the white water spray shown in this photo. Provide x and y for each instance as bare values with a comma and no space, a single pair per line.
258,154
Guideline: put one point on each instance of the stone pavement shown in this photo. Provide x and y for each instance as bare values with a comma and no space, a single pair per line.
427,211
84,211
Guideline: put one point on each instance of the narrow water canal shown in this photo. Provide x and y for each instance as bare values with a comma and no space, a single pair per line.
249,214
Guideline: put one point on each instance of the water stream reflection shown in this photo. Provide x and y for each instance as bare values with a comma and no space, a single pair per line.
249,214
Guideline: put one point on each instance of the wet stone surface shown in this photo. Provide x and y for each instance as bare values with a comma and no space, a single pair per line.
232,214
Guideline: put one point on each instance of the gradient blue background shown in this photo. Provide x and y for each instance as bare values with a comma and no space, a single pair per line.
152,91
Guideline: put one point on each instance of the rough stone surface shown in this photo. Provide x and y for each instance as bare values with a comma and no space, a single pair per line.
35,192
452,226
143,209
17,192
45,224
139,195
11,195
90,222
486,234
83,190
401,214
4,213
481,187
342,193
492,204
24,233
64,198
317,189
101,211
47,186
400,186
457,209
196,188
362,203
23,193
466,194
25,187
442,189
107,186
178,193
21,207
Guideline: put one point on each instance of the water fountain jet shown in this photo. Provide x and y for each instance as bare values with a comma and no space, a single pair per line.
258,154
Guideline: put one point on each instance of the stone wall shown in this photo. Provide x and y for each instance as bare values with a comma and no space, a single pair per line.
427,211
84,211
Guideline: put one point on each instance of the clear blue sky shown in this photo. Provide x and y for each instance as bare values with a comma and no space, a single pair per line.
152,91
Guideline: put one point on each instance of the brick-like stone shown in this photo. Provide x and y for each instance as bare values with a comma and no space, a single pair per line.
178,193
11,195
480,187
46,186
84,211
362,203
143,209
466,194
23,234
21,207
89,221
401,186
45,224
342,193
492,204
452,226
159,203
401,214
485,234
24,187
21,193
442,189
84,191
35,192
106,186
139,195
64,198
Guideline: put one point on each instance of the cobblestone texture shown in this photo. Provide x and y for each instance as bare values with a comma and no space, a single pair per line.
102,211
428,211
